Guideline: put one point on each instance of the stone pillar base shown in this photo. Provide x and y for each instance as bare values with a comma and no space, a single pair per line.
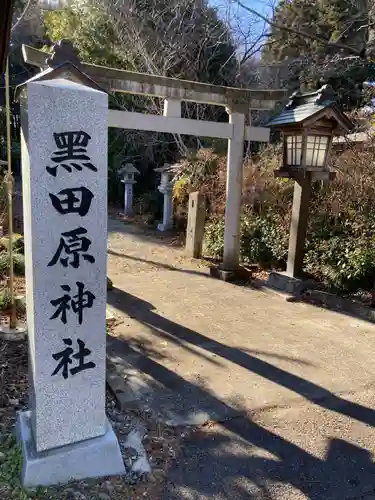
13,334
288,284
95,457
239,273
164,227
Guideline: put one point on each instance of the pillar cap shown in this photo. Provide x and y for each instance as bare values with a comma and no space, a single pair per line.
165,168
128,168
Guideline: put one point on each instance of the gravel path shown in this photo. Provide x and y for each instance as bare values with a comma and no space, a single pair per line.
280,395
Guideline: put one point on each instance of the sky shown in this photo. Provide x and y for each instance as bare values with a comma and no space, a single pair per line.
262,6
242,20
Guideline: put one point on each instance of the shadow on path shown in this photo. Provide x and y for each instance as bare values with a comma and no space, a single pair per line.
173,332
225,465
168,267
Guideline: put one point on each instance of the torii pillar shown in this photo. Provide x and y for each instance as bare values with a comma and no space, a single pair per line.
230,268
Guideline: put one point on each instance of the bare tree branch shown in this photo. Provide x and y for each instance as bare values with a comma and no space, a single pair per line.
366,26
19,20
29,7
301,33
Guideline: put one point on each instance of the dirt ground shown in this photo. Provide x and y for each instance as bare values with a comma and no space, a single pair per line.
239,392
161,443
285,389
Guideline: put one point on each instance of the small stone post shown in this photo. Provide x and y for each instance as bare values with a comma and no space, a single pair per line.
195,226
128,171
65,435
166,187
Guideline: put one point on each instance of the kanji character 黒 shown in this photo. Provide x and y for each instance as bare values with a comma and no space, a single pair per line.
71,152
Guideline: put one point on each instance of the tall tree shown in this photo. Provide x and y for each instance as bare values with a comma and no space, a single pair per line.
180,38
322,55
176,38
316,41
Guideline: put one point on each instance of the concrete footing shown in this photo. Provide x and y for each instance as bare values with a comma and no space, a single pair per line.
13,334
18,333
285,283
164,227
230,275
95,457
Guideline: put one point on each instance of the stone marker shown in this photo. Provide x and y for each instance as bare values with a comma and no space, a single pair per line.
166,187
195,225
66,434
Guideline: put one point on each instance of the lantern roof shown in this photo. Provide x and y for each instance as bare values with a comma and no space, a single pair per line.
128,168
312,106
165,168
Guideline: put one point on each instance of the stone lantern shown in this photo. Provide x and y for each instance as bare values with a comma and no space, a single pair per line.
166,187
128,171
308,123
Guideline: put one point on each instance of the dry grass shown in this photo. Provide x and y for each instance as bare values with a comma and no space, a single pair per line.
353,188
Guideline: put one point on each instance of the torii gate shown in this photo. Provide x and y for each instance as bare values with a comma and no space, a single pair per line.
238,103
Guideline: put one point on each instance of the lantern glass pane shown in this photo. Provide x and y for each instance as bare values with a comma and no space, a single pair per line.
293,149
316,147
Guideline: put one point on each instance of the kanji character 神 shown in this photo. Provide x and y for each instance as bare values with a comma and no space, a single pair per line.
77,303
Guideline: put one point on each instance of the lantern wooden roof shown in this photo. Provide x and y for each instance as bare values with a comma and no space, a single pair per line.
305,109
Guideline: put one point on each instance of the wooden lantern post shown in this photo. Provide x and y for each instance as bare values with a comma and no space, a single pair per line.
308,123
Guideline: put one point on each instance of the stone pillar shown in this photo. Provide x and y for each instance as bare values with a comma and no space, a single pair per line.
234,192
166,187
195,225
65,434
298,227
128,197
128,171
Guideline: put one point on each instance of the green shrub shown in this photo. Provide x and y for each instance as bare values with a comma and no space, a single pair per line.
18,244
341,255
262,238
273,232
4,263
343,262
253,247
4,300
214,237
18,263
